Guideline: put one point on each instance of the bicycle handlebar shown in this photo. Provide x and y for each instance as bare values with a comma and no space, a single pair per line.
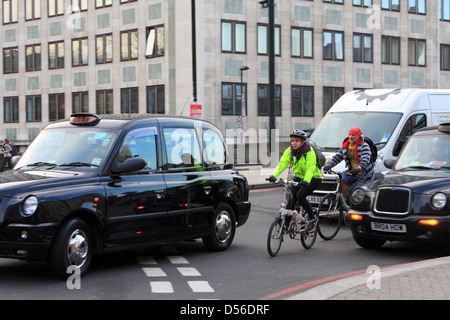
281,181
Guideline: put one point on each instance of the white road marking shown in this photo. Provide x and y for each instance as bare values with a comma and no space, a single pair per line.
161,286
189,272
200,286
154,272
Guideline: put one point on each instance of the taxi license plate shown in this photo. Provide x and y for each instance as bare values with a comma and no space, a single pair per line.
388,227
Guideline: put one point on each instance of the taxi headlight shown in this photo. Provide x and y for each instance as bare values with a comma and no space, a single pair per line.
357,196
439,200
29,206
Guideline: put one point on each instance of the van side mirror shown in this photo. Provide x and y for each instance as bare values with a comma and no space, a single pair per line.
129,165
390,163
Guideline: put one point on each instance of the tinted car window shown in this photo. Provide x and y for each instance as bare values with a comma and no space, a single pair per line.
213,148
182,147
140,144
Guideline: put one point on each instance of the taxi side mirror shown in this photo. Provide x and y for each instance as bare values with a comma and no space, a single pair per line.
390,163
129,165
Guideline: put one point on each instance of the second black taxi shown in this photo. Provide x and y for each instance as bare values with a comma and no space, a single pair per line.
94,183
412,202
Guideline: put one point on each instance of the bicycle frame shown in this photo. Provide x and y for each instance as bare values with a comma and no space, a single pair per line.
298,223
338,191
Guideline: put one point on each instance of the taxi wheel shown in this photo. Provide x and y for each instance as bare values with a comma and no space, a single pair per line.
223,228
368,243
72,247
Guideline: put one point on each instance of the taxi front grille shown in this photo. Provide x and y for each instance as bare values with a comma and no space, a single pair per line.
392,200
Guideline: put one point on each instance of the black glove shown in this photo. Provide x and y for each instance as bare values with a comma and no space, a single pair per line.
354,172
272,179
327,167
303,183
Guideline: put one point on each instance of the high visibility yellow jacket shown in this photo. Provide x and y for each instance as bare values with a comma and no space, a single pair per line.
305,168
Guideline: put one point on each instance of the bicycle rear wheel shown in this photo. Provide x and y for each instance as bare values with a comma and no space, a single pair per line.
275,237
330,216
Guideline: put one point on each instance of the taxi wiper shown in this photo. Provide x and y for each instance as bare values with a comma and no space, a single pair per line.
78,164
39,164
418,167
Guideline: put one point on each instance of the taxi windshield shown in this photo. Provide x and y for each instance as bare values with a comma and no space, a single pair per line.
82,147
425,152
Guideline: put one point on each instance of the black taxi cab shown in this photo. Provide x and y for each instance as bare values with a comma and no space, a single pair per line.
412,202
93,183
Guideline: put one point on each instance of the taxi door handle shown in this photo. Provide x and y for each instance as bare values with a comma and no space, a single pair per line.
207,189
159,194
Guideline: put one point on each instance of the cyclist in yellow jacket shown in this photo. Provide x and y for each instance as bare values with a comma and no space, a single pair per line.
306,171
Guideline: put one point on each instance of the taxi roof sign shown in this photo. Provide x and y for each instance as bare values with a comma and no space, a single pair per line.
84,119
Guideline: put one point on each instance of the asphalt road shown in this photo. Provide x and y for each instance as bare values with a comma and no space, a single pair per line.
186,271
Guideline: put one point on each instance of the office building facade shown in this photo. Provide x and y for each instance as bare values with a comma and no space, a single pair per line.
136,56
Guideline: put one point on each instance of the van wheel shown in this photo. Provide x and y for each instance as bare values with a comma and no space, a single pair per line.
222,230
369,243
72,246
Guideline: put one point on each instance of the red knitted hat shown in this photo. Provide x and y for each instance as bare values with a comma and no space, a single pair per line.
355,130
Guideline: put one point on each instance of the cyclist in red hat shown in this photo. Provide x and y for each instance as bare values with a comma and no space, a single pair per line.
356,153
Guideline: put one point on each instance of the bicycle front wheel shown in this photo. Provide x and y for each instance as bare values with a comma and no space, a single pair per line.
275,237
330,216
308,238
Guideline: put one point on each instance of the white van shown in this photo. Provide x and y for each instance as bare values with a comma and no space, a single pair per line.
387,116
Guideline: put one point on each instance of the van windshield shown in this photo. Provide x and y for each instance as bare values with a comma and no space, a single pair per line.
334,127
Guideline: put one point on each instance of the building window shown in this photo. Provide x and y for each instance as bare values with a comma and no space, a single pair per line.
56,55
79,5
444,10
362,47
104,102
103,3
333,45
417,52
32,9
33,57
80,102
263,100
302,42
232,97
334,1
445,57
10,60
126,1
56,107
417,6
390,50
155,42
11,109
233,37
263,39
80,52
129,45
129,100
10,11
391,5
55,8
302,101
33,108
362,3
330,96
156,99
104,48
